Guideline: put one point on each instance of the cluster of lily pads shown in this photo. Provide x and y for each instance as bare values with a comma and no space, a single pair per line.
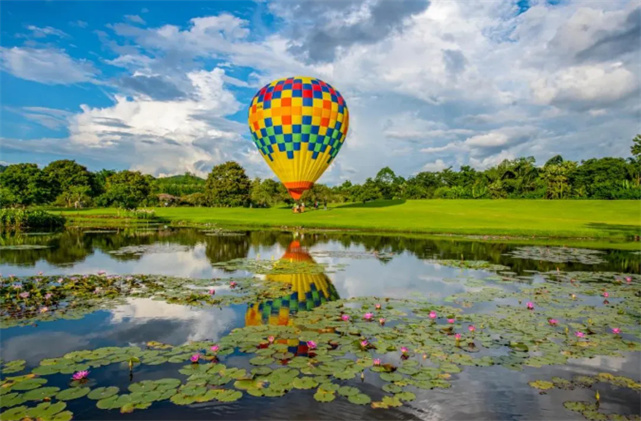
404,344
590,410
275,267
46,298
558,254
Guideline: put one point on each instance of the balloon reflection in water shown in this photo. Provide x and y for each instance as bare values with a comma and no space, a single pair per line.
308,291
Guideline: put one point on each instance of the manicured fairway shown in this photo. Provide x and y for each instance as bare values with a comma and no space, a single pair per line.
558,218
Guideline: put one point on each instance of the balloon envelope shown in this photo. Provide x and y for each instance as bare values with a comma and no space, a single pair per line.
298,124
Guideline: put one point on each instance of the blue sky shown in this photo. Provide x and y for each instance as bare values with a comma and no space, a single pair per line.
163,87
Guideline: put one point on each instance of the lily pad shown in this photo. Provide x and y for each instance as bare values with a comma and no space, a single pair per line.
72,393
41,393
103,392
304,383
359,399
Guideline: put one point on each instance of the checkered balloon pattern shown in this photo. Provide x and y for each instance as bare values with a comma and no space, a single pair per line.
299,125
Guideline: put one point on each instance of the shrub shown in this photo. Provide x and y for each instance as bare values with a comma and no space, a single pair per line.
14,218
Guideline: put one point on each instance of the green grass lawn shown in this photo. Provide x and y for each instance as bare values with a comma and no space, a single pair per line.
549,218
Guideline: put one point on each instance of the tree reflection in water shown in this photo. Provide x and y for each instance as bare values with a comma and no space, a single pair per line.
74,245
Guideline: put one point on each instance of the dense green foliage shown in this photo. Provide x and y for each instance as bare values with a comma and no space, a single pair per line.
66,183
227,186
178,185
29,218
125,189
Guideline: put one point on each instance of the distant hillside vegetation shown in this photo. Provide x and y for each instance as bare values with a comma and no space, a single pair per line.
178,185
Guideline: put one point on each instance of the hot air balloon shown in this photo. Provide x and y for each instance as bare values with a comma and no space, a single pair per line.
298,124
309,290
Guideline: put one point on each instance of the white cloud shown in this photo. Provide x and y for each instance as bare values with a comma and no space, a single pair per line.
462,85
435,166
166,136
586,86
202,324
47,66
43,32
48,117
135,19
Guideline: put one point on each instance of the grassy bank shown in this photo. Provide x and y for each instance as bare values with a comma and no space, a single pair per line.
579,219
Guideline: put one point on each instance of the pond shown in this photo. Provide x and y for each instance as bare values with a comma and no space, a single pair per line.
201,324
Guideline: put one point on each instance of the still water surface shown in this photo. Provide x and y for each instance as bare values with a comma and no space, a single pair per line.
358,265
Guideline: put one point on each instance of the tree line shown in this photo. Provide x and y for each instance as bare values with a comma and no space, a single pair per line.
65,183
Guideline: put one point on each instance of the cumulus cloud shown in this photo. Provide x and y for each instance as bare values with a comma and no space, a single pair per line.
337,26
198,324
47,66
429,85
165,136
586,86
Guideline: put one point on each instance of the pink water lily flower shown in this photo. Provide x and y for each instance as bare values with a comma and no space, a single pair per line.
377,361
381,321
457,336
432,315
24,295
404,350
101,272
606,294
60,280
368,316
378,306
628,279
345,317
80,375
214,348
553,322
212,291
451,321
232,284
530,305
194,358
16,286
271,339
616,330
579,334
364,343
471,328
48,295
311,344
44,309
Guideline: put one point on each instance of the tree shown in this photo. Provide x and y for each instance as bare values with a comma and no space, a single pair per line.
75,196
600,177
368,191
267,193
64,175
557,177
100,181
555,160
125,189
318,193
24,184
388,183
636,147
228,185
